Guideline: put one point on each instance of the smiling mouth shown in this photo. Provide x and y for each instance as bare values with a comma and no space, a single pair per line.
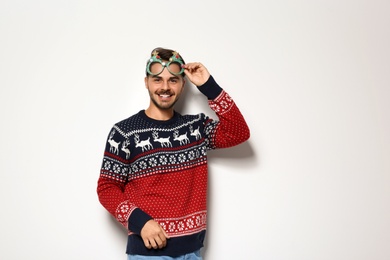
165,96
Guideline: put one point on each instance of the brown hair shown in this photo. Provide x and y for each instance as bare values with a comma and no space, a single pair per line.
165,54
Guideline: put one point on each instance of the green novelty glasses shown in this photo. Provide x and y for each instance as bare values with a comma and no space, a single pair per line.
156,65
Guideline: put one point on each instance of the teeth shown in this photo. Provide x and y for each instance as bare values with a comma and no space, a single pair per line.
164,96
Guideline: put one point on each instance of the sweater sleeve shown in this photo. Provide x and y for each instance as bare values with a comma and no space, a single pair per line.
111,184
231,128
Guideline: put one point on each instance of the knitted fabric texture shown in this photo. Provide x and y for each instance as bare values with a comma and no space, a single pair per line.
158,170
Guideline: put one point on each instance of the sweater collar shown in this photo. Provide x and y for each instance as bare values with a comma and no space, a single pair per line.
174,118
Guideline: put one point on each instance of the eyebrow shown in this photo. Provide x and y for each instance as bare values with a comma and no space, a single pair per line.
159,77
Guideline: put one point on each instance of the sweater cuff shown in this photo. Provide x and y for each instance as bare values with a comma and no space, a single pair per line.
210,89
137,220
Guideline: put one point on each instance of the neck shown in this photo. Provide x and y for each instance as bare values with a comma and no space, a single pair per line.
159,114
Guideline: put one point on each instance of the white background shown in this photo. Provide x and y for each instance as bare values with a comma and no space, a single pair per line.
311,78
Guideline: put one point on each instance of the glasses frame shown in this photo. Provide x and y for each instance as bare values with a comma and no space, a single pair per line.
156,59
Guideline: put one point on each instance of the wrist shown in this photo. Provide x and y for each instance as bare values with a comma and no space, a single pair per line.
210,88
137,220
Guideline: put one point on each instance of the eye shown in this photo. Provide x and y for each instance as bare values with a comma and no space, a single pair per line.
173,80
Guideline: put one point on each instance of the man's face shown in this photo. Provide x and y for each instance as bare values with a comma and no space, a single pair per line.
165,88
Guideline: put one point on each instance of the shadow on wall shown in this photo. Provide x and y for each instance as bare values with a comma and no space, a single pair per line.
241,156
240,152
117,227
243,152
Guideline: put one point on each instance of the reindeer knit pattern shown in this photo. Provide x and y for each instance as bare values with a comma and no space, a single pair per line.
158,170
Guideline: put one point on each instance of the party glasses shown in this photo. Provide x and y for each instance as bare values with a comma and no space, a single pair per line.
156,65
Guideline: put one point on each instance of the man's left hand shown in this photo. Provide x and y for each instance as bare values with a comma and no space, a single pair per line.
196,73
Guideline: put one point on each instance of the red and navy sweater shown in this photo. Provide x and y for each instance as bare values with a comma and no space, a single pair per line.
158,170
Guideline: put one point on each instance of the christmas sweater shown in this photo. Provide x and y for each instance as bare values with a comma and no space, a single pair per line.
157,170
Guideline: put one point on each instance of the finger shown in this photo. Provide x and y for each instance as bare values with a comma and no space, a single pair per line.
188,73
165,233
160,242
147,244
163,240
192,66
192,71
153,243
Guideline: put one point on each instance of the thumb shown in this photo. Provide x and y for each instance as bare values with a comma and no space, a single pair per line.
165,233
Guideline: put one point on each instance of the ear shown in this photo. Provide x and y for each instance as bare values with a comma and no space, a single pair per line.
146,82
184,82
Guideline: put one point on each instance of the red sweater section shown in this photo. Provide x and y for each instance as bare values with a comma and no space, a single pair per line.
165,178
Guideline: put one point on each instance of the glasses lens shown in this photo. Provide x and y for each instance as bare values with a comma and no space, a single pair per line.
175,68
155,68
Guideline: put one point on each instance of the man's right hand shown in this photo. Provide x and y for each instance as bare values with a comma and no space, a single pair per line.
153,235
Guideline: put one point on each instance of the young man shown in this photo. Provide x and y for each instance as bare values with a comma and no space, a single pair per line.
153,178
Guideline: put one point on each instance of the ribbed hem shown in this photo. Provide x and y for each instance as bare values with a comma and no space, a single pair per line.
210,89
176,246
137,220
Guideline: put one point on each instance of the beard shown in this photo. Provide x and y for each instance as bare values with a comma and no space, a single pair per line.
161,104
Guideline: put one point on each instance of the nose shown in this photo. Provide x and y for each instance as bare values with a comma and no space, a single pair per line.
165,85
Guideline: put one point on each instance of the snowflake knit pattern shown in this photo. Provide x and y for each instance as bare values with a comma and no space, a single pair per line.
157,170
